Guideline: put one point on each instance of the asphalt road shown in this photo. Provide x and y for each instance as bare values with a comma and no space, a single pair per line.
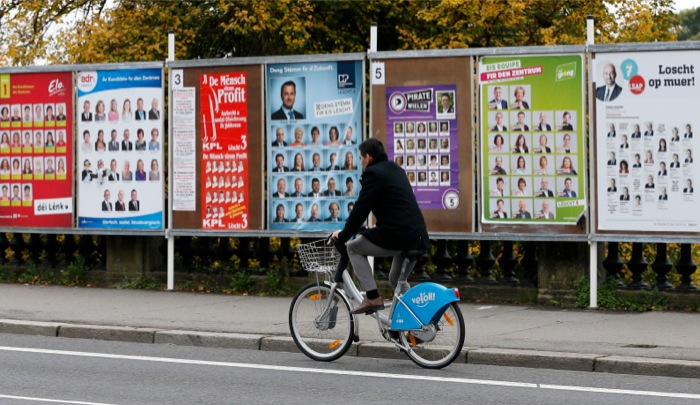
75,371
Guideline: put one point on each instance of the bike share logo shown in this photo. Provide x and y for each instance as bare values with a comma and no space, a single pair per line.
87,81
423,299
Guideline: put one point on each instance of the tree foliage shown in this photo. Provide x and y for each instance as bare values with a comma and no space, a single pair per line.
96,31
689,21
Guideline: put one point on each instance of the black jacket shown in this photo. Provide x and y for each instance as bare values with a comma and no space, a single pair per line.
388,195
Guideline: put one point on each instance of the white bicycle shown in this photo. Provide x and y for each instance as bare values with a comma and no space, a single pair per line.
425,322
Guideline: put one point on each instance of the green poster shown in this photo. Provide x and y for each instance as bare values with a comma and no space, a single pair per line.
532,139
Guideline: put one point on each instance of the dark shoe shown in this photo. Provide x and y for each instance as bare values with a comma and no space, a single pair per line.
368,306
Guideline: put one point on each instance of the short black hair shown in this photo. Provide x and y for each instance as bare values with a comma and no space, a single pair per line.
285,84
372,147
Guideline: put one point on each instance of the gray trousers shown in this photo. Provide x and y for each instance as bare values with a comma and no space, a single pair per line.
358,250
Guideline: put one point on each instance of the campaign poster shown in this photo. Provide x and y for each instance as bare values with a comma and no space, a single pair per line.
421,128
315,126
36,149
533,158
120,149
646,113
224,109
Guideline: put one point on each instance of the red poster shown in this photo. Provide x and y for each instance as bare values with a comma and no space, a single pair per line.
224,109
36,149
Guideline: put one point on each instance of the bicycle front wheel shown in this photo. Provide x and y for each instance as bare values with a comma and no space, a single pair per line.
321,326
440,344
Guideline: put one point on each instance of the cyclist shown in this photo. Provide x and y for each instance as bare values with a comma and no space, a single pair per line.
400,226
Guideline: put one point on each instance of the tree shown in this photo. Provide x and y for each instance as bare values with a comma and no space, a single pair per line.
96,31
689,25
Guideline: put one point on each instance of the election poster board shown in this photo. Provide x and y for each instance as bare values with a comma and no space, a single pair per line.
36,149
223,139
422,111
120,148
315,125
224,105
532,142
646,115
421,128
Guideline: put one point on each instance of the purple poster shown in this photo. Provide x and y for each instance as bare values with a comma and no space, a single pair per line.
421,128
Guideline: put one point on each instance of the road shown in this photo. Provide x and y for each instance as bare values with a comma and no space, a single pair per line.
38,370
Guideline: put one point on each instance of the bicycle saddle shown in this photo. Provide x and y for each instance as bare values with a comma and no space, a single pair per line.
414,253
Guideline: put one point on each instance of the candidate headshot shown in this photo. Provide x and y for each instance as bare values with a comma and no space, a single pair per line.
288,111
610,90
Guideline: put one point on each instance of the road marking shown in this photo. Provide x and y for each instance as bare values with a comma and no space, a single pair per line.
483,308
55,401
354,373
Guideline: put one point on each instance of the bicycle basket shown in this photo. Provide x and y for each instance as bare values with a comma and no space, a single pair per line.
317,256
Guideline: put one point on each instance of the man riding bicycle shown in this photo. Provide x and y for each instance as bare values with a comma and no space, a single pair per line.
400,226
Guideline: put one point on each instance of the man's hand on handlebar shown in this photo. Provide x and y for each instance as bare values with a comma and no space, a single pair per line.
334,235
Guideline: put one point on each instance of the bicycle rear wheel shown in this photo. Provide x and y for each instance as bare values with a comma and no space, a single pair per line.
321,326
440,345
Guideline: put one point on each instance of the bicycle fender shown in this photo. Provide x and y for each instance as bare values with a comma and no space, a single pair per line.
425,301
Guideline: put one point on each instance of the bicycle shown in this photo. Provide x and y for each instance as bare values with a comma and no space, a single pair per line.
425,321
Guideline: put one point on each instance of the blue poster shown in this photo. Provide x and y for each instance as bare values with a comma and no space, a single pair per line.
314,129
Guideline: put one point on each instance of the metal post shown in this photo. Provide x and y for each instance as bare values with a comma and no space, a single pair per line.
372,48
171,239
593,246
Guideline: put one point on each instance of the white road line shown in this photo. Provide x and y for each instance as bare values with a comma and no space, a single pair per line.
55,401
354,373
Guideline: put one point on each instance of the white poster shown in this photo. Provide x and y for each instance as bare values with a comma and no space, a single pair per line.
184,150
646,114
120,149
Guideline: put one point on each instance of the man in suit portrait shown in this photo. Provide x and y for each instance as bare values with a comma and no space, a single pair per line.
113,144
568,192
332,165
316,161
120,205
334,209
134,204
521,125
279,138
106,204
610,90
522,212
281,189
86,114
543,125
545,213
315,188
663,196
499,123
61,116
612,161
126,143
613,187
286,112
299,213
298,186
313,217
498,103
637,133
499,213
637,161
676,163
650,129
688,187
447,107
279,164
662,169
153,113
544,190
688,156
140,113
348,137
331,191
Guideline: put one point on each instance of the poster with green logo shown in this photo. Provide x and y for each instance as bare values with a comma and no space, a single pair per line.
533,161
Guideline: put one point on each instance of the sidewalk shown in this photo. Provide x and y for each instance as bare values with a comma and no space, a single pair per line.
652,343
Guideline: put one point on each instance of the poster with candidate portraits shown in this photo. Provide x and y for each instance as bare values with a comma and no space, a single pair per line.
533,166
645,155
421,127
120,149
314,128
225,191
36,149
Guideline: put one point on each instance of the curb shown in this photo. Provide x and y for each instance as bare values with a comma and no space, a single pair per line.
481,356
